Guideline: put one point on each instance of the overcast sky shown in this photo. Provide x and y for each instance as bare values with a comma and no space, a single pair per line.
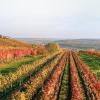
50,18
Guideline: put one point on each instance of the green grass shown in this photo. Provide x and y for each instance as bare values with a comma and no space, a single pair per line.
17,63
93,62
64,84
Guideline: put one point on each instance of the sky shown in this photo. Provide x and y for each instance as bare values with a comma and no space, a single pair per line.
50,18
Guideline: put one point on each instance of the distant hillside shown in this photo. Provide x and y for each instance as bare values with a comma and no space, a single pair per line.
37,40
6,41
70,43
80,43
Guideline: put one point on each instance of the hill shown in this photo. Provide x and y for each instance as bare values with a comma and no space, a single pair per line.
37,40
80,43
10,42
69,43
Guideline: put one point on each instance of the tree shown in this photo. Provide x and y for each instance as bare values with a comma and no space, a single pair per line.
52,47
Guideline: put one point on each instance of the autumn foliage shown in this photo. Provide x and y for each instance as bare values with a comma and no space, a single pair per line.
90,80
14,53
75,82
51,89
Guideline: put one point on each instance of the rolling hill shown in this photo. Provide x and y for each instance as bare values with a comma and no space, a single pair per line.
69,43
80,43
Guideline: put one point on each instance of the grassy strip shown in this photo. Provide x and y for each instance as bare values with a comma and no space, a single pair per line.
93,62
15,65
64,84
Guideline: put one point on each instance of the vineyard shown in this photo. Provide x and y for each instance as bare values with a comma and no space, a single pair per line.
58,75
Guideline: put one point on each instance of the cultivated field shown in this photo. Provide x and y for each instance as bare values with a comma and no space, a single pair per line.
48,73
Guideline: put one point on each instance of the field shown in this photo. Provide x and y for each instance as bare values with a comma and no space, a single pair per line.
47,73
93,62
